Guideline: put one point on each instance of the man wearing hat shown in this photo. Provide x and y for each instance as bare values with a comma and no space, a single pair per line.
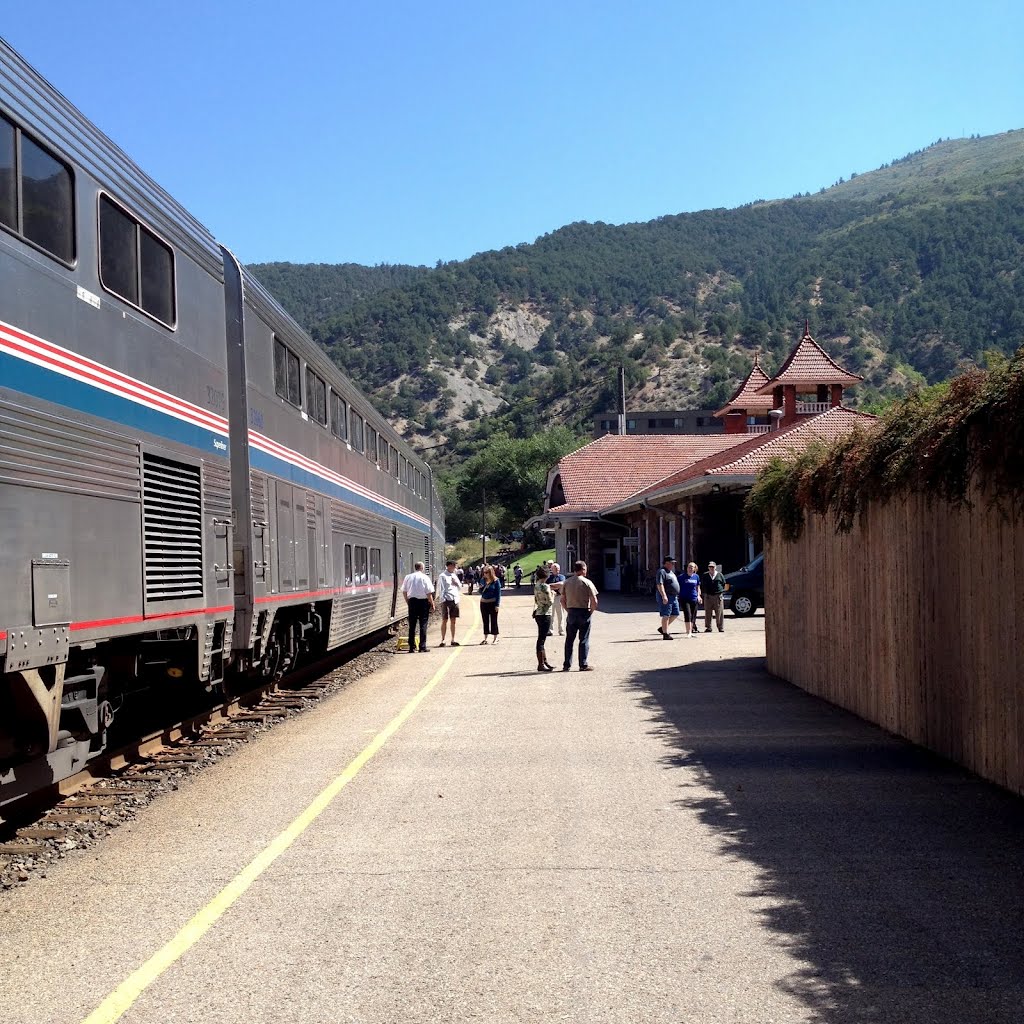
712,586
666,586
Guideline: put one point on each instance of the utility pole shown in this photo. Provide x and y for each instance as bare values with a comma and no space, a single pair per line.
622,400
483,523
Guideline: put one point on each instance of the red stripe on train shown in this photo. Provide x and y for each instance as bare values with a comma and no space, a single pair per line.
120,383
383,585
127,620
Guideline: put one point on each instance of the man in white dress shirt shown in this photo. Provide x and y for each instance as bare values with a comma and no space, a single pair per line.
418,592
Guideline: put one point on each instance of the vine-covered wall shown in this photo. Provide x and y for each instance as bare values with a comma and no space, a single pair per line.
895,570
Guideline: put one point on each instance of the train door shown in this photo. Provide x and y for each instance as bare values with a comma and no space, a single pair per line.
316,541
285,536
394,570
302,527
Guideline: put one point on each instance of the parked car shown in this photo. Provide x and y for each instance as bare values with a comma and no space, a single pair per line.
745,588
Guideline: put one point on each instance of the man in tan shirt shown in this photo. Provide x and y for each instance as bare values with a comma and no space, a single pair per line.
579,599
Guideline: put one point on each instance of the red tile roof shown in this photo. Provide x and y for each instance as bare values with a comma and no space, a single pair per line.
828,427
615,466
809,364
746,396
759,449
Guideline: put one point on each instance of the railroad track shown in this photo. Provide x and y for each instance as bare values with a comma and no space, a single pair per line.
77,811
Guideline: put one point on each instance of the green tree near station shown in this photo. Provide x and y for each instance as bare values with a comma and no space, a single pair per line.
508,474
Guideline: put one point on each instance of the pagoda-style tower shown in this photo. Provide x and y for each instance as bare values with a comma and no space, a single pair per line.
809,382
747,411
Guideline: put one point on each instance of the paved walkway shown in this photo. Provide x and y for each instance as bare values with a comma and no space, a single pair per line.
674,837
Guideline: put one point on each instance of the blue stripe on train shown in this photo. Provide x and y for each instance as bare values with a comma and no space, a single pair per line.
50,386
304,478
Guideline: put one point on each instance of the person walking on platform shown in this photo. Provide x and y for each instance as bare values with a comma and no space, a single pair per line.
543,599
579,599
689,595
490,598
556,581
449,590
666,586
418,592
712,586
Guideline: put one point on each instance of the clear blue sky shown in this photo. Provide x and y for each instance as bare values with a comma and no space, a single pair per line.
408,132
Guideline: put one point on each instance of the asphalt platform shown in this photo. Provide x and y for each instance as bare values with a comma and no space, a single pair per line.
673,837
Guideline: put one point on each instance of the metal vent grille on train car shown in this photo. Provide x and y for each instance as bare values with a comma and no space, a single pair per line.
172,529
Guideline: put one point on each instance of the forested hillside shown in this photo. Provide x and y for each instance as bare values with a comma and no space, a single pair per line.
906,274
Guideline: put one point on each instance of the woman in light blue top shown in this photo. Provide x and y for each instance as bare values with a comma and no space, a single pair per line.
689,595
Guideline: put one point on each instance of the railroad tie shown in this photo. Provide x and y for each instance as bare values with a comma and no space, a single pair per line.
41,832
22,849
70,814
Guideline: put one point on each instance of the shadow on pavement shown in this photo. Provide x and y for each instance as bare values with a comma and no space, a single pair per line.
894,879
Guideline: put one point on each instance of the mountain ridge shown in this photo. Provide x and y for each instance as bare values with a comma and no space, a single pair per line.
907,273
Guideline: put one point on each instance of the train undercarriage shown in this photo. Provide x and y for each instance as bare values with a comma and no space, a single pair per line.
54,718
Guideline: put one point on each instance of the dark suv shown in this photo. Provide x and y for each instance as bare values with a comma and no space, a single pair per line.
745,593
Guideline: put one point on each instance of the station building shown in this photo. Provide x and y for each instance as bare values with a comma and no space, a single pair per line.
624,502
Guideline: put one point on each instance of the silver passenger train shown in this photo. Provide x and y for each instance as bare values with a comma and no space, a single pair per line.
189,488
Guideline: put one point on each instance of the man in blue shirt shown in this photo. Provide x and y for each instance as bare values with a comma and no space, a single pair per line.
666,586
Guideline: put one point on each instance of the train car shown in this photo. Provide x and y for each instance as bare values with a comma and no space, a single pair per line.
333,507
188,487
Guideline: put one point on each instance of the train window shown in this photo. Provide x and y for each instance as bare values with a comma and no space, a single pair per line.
348,565
287,370
118,256
404,478
355,434
157,273
8,181
316,397
360,566
134,264
382,453
41,210
394,461
339,416
371,443
375,565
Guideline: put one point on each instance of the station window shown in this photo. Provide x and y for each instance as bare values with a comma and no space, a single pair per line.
135,265
36,193
355,431
316,397
371,443
287,371
375,576
339,416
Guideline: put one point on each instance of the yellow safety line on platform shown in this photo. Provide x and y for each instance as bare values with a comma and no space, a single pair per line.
121,999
